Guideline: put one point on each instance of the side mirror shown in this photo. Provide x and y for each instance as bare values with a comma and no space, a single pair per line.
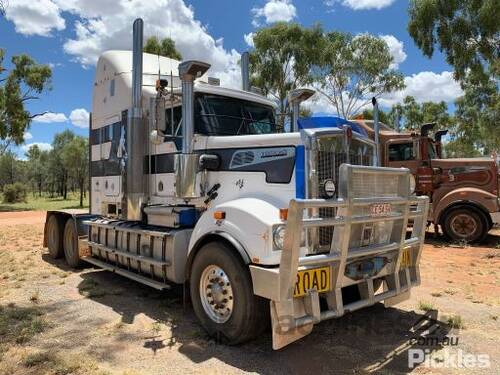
209,162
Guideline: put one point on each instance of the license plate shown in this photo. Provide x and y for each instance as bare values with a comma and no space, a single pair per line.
380,209
406,259
316,278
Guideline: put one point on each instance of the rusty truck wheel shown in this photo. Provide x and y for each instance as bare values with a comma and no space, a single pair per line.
54,237
70,241
222,295
465,224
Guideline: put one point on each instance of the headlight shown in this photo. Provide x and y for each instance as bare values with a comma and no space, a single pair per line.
329,188
413,184
278,237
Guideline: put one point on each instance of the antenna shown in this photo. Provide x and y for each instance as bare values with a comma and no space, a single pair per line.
172,101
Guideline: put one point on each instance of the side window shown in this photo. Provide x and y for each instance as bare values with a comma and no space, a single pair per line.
173,128
401,152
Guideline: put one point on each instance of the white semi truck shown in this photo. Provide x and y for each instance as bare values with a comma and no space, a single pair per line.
190,183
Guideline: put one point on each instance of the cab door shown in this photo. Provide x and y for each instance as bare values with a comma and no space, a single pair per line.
403,153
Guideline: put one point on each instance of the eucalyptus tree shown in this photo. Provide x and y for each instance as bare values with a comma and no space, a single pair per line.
281,60
164,47
21,83
351,69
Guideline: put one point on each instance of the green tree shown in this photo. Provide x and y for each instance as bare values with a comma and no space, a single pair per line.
58,169
281,61
164,47
383,116
37,168
75,158
23,82
413,114
466,31
477,117
353,69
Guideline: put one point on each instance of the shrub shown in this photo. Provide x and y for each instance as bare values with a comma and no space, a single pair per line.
14,193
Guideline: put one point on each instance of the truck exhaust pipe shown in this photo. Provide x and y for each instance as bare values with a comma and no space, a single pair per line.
376,131
245,71
295,97
133,191
186,163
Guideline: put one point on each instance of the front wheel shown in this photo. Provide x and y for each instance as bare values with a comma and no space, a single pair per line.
465,224
222,295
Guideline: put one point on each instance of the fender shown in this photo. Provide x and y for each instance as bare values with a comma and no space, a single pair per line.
247,225
484,200
213,237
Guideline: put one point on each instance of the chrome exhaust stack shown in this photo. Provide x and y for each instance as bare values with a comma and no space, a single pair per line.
133,189
245,71
186,163
376,131
295,97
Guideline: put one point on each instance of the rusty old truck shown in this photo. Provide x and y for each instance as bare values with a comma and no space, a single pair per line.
463,192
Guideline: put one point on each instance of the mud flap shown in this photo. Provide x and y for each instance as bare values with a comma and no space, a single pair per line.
388,302
282,338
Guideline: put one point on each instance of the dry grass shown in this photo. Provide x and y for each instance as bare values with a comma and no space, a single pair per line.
20,324
425,306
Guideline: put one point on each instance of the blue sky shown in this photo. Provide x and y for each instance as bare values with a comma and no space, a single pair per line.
70,35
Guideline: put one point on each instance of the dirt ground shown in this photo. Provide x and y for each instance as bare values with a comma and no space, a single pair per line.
54,320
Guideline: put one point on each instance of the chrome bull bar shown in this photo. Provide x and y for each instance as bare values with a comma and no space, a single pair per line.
293,318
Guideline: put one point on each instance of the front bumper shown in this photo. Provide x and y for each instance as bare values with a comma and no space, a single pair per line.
293,318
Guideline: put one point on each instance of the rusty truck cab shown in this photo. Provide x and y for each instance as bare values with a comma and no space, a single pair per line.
464,192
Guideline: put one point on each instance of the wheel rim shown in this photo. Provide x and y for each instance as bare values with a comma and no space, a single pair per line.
216,294
463,225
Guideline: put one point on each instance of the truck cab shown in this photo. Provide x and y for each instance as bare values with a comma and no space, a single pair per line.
191,184
464,192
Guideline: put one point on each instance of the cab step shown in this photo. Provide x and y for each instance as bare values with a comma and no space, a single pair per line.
128,274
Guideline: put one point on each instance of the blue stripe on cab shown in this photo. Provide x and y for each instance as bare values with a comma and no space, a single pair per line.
300,174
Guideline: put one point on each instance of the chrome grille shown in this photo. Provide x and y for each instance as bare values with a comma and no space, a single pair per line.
330,156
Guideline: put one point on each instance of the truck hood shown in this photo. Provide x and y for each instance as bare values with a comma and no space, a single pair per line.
479,163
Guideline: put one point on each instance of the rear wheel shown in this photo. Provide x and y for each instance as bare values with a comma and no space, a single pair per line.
70,241
465,224
54,237
222,295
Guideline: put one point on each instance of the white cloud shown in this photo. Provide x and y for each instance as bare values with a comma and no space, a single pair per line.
27,136
249,39
80,118
50,117
426,87
107,24
41,145
37,17
366,4
423,86
396,48
274,11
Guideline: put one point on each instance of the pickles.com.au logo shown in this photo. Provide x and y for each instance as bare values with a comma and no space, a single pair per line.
447,358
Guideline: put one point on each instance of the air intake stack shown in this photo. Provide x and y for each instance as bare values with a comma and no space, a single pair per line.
245,71
186,163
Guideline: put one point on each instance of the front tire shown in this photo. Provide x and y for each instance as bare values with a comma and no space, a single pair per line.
465,224
222,295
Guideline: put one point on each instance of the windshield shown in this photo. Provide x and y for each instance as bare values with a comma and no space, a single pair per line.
221,115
